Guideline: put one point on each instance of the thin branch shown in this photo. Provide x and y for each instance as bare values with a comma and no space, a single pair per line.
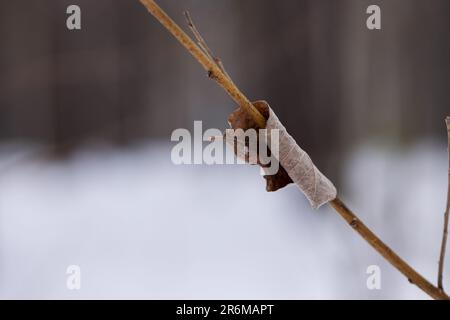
202,44
446,218
209,65
412,275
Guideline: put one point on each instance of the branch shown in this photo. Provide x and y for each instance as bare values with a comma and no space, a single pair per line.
446,218
212,67
412,275
202,44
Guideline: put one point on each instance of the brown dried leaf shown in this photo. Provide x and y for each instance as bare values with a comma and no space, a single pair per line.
240,119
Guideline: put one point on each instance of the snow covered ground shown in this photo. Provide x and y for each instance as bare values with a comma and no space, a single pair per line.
140,227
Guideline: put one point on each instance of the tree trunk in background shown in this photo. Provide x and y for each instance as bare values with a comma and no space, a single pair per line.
26,76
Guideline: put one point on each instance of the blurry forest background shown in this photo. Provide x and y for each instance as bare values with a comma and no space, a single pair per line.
122,78
337,86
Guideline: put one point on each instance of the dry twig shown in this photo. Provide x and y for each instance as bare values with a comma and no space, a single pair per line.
202,44
206,60
446,218
210,66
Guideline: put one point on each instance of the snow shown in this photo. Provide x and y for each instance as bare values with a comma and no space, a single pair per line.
140,227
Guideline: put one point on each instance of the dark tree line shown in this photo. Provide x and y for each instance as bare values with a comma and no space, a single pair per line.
123,79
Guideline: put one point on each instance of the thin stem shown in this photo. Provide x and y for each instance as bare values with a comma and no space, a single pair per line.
337,204
412,275
202,43
209,65
446,218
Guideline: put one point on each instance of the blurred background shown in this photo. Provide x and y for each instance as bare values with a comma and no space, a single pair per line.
86,177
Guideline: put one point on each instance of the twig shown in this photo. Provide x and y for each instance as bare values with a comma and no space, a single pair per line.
210,66
412,275
202,44
446,218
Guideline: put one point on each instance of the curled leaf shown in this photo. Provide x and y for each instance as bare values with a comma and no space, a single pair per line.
240,119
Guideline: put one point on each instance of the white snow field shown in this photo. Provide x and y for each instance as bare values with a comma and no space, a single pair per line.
141,228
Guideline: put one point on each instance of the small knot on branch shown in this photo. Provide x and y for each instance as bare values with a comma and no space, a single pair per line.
211,75
354,223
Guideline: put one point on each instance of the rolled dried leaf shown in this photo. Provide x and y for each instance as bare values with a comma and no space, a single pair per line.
240,119
295,164
316,186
